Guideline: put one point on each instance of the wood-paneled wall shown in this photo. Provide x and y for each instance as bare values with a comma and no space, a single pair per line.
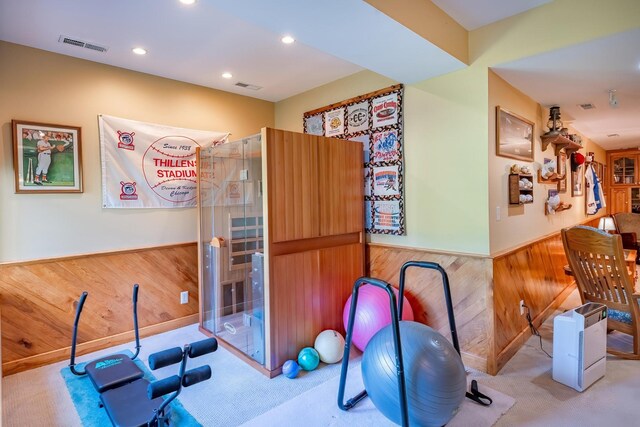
533,273
38,301
486,293
469,279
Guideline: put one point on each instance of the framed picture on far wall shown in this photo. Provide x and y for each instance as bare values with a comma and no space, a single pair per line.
514,136
562,171
577,181
46,158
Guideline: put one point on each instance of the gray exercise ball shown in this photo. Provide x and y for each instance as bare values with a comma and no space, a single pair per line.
434,374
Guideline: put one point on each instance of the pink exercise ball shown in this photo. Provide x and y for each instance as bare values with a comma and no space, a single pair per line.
372,314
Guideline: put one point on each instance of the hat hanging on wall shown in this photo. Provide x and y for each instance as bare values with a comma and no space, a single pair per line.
576,160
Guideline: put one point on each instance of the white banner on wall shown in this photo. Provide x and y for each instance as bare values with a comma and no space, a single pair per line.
146,165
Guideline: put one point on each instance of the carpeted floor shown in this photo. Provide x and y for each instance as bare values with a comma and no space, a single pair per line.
39,397
540,401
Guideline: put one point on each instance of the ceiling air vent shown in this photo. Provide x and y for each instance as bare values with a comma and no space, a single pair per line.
588,106
248,86
80,43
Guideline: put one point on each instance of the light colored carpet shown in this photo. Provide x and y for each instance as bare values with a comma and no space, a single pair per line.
540,401
318,407
39,397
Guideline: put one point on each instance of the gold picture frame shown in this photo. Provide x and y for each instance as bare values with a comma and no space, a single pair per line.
47,158
562,171
514,136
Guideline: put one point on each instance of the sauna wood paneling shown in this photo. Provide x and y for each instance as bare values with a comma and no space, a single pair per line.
38,298
292,177
314,239
469,280
341,186
315,184
308,291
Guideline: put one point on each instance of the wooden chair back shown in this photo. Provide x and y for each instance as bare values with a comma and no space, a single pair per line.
597,261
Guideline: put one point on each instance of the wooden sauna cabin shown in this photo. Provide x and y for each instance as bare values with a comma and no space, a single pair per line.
281,241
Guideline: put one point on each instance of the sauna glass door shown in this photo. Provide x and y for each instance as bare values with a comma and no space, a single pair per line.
231,226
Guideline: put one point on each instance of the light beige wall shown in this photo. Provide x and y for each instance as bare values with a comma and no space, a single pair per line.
445,185
524,223
45,87
447,180
554,25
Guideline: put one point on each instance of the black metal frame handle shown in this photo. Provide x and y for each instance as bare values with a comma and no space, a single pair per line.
447,294
345,406
396,316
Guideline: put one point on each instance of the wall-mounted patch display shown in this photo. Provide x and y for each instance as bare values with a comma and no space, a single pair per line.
375,120
385,181
313,125
386,215
385,110
334,122
358,117
386,147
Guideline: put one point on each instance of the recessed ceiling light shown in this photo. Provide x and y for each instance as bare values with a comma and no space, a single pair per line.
187,1
288,40
227,75
613,135
139,51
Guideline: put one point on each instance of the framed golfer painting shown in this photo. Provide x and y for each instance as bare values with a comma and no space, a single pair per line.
46,158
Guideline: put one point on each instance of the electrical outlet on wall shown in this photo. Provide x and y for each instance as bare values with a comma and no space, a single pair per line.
184,297
521,307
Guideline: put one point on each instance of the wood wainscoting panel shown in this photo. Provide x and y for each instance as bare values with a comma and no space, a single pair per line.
38,300
535,274
469,279
307,295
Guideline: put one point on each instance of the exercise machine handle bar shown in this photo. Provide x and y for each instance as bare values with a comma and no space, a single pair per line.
74,338
393,305
135,321
72,362
447,295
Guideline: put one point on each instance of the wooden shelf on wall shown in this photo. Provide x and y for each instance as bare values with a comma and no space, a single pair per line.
560,142
561,207
553,179
515,191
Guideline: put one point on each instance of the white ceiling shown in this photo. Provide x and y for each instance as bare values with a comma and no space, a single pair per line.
335,38
197,43
472,14
585,73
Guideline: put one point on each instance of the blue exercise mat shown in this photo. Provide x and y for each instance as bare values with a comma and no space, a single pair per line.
87,400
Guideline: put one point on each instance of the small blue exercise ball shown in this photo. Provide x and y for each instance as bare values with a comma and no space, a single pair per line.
435,378
290,369
308,359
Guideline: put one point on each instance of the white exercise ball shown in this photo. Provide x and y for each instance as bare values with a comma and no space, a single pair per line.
330,346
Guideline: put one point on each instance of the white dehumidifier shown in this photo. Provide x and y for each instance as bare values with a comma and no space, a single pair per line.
580,346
